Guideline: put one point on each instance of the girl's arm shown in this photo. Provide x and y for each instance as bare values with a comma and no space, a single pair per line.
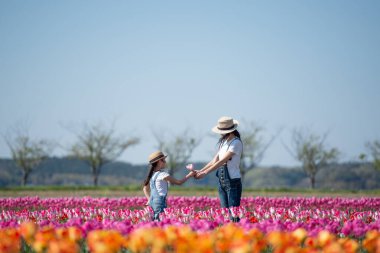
146,190
173,180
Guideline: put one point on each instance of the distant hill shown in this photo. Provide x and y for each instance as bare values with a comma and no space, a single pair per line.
64,171
339,176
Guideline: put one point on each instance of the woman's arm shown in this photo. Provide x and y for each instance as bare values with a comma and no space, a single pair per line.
200,173
207,169
214,160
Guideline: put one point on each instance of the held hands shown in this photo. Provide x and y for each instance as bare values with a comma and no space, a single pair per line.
192,172
196,173
200,174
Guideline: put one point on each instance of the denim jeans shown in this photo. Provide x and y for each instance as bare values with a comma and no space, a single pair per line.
158,204
229,190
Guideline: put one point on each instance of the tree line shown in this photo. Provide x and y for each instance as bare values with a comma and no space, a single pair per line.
98,145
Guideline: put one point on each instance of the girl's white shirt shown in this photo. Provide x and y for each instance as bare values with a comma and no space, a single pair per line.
161,184
236,147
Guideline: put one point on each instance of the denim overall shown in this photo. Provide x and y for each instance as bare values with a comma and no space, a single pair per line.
229,189
157,202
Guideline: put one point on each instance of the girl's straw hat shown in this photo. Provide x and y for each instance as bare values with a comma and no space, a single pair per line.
225,125
156,156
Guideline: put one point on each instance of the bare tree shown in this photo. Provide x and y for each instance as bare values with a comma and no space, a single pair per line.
178,148
374,149
310,150
27,153
254,146
97,145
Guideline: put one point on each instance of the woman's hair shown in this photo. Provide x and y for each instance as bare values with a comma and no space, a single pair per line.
225,136
236,133
152,167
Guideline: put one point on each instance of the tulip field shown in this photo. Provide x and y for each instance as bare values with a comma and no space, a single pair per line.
190,224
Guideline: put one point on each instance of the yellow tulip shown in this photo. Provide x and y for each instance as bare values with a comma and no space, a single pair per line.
324,238
299,235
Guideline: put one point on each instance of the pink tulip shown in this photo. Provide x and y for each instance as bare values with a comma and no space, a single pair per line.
340,216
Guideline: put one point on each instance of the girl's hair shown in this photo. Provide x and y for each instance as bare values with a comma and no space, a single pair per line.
225,136
150,174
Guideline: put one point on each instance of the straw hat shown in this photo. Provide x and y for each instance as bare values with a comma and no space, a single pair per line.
225,125
156,156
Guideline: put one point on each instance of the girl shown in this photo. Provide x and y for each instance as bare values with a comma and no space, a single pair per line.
156,184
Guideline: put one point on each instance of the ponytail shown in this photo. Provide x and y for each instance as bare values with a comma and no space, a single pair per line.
150,174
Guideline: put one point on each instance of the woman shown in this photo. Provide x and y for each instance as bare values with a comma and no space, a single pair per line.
156,184
227,162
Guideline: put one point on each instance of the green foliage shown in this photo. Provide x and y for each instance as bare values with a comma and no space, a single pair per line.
25,248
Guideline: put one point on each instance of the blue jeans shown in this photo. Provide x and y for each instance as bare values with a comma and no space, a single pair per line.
230,194
158,204
229,190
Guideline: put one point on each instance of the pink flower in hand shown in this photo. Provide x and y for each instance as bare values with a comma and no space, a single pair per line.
190,167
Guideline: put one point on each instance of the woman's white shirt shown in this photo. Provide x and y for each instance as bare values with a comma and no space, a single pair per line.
236,147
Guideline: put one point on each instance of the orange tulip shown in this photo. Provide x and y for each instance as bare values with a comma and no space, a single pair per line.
333,247
258,240
28,230
372,241
61,233
10,241
141,239
39,246
71,233
63,246
100,241
349,245
325,237
310,242
299,235
276,239
75,234
42,238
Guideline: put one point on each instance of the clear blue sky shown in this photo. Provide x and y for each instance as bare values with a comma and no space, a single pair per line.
182,64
